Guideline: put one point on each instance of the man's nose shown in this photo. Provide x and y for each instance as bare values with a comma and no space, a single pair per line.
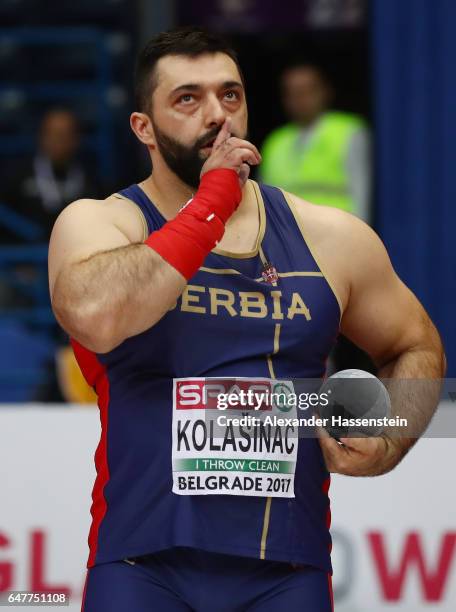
214,114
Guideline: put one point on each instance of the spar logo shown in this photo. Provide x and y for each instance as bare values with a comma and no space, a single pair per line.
202,393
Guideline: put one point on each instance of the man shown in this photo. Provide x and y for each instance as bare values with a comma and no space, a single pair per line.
225,286
54,176
322,156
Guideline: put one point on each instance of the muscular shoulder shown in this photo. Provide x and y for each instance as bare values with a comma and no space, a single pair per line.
115,211
327,224
87,227
345,247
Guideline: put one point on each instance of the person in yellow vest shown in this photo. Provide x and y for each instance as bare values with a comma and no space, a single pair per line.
321,155
324,157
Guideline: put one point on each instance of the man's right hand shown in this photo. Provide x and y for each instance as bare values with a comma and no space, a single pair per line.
233,153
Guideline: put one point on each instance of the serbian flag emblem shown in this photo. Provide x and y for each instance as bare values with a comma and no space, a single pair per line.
269,273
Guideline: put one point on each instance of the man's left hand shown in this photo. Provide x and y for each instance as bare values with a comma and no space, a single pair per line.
358,456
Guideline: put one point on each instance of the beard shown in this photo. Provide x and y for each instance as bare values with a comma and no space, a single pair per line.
185,161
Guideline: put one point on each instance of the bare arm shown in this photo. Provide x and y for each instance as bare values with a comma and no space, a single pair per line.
383,317
105,285
105,288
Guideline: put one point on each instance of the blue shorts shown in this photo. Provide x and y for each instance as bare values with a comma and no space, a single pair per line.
187,579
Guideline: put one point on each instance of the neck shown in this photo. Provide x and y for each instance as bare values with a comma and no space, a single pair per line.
168,192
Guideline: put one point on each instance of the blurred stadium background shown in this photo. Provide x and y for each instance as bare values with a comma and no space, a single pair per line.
389,61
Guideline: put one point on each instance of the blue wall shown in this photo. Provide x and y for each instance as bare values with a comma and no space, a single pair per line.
414,77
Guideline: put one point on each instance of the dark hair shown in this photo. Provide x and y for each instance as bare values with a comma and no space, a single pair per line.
188,41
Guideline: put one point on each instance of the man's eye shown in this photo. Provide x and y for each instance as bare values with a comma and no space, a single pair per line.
186,98
231,95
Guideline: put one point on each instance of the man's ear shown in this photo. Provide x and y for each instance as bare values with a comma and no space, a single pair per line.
142,126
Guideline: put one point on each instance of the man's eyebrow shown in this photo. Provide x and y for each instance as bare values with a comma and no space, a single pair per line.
228,84
186,87
196,87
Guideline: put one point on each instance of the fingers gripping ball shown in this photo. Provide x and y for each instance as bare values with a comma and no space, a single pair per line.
357,403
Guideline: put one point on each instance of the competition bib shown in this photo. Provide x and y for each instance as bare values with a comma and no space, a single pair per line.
231,437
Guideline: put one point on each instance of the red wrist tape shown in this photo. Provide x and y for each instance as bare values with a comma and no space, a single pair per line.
185,241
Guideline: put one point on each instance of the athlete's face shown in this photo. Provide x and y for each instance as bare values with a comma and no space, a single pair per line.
192,98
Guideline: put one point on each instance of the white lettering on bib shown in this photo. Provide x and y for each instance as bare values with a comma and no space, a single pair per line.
226,440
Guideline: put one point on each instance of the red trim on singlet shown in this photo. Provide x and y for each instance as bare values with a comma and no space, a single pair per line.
96,376
331,594
325,489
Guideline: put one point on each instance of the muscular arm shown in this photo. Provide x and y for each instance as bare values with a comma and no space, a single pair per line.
383,317
104,287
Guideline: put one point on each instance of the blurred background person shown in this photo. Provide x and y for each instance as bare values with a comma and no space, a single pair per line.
36,190
42,185
321,155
